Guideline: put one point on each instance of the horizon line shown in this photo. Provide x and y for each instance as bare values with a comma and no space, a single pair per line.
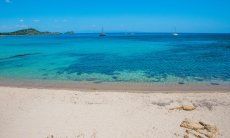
110,32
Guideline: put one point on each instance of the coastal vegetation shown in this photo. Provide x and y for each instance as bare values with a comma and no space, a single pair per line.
29,31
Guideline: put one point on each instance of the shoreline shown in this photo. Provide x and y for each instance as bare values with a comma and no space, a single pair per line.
110,86
46,113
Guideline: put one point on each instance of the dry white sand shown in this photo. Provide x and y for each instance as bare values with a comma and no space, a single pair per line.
42,113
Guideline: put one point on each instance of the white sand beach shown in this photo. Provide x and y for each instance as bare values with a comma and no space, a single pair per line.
47,113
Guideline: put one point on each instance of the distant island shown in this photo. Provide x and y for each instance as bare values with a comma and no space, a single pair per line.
29,31
70,33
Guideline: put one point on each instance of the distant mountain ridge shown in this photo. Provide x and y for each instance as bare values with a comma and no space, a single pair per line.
29,31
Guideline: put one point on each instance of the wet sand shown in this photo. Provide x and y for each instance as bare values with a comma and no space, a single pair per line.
52,113
116,86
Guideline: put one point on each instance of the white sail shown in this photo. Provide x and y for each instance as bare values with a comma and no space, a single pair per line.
175,32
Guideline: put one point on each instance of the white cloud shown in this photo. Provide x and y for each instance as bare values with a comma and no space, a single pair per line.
21,26
21,20
60,20
36,20
8,1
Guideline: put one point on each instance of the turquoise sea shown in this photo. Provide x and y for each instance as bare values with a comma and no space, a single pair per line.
119,57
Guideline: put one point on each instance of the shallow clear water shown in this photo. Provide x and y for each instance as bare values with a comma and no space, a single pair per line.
144,58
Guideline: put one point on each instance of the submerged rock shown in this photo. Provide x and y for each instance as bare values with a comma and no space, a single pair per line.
20,56
181,83
215,83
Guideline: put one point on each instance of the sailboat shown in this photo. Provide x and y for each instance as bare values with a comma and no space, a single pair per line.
102,32
175,32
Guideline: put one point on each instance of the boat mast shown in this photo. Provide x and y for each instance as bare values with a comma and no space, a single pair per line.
175,32
102,30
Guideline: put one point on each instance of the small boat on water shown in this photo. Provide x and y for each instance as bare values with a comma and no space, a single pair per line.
102,32
175,32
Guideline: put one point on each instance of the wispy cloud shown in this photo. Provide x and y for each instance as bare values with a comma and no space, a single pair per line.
21,26
8,1
36,20
21,20
59,20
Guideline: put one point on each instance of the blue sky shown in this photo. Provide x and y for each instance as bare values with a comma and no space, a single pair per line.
116,15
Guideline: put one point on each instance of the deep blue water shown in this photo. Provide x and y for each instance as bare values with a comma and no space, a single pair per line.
144,58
